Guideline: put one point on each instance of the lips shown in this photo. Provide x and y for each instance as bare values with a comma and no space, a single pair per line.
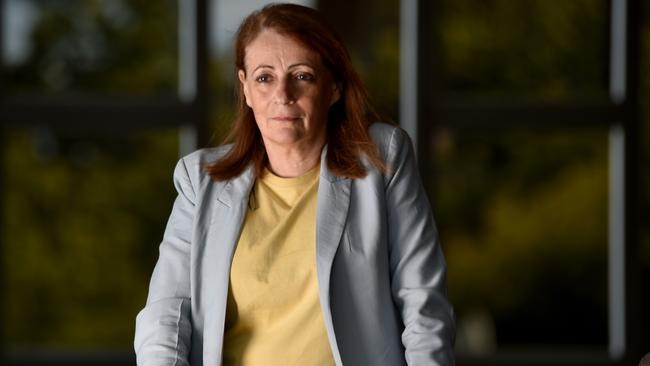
285,118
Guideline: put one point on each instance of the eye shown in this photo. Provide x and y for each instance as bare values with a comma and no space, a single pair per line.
263,78
304,76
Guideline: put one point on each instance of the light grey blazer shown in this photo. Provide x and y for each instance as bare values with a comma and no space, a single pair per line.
381,272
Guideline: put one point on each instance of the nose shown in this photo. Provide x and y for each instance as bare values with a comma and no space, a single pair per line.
284,93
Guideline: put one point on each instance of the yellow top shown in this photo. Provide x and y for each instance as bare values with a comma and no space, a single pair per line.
273,315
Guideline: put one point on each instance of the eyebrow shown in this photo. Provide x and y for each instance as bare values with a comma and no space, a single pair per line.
265,66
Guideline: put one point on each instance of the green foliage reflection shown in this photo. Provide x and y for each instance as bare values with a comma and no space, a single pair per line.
81,228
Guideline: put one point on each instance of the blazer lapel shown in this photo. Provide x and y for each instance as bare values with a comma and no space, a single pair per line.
229,211
331,215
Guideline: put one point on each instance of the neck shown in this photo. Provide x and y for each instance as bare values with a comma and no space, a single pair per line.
293,161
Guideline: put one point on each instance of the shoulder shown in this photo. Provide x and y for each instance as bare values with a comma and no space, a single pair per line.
190,172
391,140
199,159
381,133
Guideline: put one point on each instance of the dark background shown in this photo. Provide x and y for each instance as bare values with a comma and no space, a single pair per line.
514,147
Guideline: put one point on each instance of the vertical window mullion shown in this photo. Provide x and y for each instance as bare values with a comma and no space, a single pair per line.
187,71
408,103
616,221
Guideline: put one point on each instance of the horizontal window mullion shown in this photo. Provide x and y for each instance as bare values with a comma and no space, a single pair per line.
515,115
97,115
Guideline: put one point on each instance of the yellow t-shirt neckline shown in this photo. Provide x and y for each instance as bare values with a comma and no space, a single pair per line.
275,180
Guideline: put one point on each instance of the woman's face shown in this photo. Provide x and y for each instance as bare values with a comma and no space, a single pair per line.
289,90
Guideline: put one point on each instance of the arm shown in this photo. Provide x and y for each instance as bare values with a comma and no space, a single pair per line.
163,328
418,269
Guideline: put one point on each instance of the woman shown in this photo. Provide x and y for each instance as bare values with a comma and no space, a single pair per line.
308,240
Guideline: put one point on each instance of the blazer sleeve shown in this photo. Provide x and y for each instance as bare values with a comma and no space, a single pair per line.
163,328
418,269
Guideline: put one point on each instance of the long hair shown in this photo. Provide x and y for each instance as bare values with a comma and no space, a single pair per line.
348,119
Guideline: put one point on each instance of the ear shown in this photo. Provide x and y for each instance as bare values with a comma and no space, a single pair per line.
336,95
242,79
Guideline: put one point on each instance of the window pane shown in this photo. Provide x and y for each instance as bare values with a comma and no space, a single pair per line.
538,48
109,46
82,219
523,221
371,32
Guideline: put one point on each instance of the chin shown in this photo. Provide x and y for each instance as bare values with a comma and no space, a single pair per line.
286,137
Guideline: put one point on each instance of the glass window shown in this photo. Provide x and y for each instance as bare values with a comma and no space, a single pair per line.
523,222
533,48
83,215
371,32
121,47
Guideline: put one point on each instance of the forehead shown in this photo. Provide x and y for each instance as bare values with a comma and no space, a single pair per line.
271,47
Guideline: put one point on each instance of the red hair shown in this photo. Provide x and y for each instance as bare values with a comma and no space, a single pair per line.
348,119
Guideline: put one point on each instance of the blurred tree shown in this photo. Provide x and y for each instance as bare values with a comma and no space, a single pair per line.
80,235
530,48
523,214
371,32
125,47
84,211
526,235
